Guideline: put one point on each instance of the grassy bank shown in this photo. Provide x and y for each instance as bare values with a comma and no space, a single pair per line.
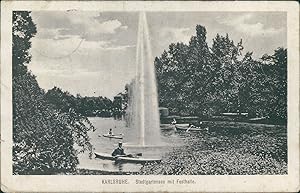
230,148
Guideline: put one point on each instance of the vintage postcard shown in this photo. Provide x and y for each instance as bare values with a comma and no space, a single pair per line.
162,96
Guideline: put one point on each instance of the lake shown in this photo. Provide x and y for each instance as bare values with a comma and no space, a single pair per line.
169,139
226,148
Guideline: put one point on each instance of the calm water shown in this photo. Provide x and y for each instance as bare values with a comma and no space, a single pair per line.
106,145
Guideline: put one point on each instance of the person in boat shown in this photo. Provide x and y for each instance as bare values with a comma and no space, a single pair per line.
173,122
119,150
190,126
110,132
193,126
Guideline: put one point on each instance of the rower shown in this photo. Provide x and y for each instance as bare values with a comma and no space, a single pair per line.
119,150
173,122
190,126
110,132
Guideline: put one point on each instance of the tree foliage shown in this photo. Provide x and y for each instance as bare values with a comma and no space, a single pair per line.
195,79
86,106
23,29
46,138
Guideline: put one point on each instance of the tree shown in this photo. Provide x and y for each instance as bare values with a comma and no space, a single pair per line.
46,139
171,69
280,62
273,73
197,80
86,106
185,76
23,30
226,92
203,72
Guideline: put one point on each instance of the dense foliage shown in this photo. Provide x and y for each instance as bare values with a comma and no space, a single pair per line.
195,79
46,138
87,106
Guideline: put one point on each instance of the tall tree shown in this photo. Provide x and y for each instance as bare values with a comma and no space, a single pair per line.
226,95
46,139
202,73
23,30
274,69
171,69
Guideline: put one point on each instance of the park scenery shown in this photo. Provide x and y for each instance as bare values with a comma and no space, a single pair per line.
149,93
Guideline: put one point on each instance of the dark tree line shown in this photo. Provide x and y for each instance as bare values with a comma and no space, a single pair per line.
46,138
87,106
196,79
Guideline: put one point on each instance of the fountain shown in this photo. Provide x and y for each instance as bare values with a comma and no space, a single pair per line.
142,135
143,113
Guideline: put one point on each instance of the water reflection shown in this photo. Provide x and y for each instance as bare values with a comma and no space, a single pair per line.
106,145
119,166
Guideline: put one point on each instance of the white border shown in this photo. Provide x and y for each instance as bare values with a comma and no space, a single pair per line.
242,183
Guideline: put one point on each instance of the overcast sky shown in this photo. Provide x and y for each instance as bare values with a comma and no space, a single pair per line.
93,53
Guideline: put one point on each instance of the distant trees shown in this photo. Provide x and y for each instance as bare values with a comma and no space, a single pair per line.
195,79
87,106
46,138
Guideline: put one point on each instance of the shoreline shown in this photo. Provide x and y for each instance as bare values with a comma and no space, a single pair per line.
83,171
212,120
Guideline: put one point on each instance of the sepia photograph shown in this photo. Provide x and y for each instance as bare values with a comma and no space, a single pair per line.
161,96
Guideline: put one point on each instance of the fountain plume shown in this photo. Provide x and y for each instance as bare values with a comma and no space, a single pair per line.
143,113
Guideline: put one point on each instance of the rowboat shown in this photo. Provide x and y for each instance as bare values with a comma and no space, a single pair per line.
113,136
167,126
182,125
184,128
137,160
104,156
125,159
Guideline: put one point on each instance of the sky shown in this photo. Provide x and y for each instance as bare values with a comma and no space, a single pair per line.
93,53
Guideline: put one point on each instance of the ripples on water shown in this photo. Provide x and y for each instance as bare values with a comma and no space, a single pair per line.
220,138
102,144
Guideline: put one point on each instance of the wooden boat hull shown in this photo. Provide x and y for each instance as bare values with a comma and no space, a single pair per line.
125,159
179,128
167,127
104,156
113,136
136,160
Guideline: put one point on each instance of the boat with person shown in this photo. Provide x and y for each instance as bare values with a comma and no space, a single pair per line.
188,127
113,136
129,158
